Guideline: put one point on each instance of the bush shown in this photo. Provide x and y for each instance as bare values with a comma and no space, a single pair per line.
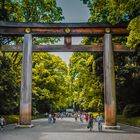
133,121
11,119
131,110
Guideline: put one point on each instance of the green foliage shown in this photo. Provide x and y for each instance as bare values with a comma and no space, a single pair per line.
126,65
49,82
45,11
11,119
127,79
113,11
134,35
4,9
49,73
134,121
131,110
9,87
31,10
86,87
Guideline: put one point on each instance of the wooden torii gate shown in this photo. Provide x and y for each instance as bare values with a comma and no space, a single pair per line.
66,30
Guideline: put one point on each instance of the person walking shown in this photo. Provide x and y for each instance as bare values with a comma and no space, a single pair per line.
61,115
99,119
90,122
76,116
49,118
2,122
86,117
81,117
54,117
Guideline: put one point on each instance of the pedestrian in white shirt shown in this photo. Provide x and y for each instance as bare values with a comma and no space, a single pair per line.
99,119
2,122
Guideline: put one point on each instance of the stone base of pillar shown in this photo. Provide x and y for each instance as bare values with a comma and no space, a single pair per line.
24,126
112,127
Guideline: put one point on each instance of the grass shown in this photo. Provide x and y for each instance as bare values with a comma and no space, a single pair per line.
15,118
11,119
133,121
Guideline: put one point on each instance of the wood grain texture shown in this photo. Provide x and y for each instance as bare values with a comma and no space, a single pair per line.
59,29
26,82
65,48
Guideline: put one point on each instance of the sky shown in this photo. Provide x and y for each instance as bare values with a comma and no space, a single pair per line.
73,11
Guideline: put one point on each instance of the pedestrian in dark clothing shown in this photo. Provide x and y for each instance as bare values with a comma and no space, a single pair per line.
54,118
90,122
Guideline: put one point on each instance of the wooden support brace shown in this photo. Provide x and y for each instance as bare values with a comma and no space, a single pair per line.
65,48
68,42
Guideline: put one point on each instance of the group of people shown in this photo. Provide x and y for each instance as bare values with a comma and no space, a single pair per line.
89,118
52,118
92,120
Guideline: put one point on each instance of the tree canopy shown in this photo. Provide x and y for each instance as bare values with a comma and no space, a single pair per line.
49,86
50,81
30,11
117,11
86,87
127,65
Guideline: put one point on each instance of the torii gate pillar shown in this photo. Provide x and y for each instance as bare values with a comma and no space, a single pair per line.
26,83
109,83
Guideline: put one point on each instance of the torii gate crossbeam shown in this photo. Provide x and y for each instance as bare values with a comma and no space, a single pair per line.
61,29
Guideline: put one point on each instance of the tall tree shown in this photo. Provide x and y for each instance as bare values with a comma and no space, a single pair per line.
9,87
50,82
114,11
86,87
29,11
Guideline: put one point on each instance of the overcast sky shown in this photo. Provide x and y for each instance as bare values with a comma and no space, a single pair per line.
73,11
